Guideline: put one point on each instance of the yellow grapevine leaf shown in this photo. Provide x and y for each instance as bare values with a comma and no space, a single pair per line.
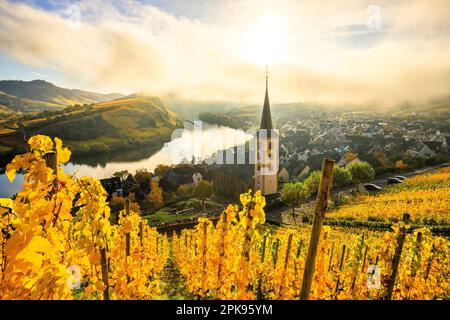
10,173
6,203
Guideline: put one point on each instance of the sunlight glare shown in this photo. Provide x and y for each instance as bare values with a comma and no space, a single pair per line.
265,39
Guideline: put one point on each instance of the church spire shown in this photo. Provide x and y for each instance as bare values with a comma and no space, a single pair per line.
266,119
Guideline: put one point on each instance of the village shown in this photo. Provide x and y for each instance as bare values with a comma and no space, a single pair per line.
181,193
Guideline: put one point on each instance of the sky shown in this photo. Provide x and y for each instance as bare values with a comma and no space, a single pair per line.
337,52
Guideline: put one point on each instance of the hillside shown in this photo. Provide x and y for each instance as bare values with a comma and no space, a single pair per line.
105,127
10,104
425,197
42,95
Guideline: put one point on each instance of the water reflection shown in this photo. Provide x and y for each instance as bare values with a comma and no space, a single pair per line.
189,143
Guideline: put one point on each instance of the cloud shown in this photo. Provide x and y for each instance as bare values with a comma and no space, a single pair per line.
327,52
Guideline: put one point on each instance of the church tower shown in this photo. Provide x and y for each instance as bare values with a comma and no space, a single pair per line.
267,152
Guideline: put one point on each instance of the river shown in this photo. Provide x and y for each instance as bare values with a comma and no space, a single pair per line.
200,143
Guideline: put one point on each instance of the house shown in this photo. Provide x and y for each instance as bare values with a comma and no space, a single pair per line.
283,175
113,186
436,146
426,152
170,181
345,162
129,185
422,152
182,174
413,153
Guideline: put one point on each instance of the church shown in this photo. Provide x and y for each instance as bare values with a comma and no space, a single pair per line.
267,152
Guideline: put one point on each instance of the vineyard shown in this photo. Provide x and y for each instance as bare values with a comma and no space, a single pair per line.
424,197
57,242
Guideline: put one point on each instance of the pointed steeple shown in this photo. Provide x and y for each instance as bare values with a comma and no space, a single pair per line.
266,119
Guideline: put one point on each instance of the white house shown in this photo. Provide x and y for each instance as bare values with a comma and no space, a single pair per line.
197,177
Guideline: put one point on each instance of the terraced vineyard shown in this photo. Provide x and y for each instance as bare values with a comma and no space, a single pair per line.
57,243
424,197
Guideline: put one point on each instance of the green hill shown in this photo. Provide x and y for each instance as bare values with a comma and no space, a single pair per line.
10,104
39,95
105,127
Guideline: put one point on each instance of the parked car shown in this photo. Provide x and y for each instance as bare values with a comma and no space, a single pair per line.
401,177
372,187
444,165
394,180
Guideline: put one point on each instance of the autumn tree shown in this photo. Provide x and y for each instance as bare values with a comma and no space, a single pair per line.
381,157
183,190
401,165
117,204
156,196
142,176
160,170
203,189
294,194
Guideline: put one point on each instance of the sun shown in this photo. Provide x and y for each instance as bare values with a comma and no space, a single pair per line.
264,41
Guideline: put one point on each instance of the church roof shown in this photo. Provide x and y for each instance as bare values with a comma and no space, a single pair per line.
266,118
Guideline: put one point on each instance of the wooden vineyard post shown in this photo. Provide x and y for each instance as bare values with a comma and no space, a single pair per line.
259,296
203,253
355,276
51,161
288,249
156,244
141,233
397,255
286,259
319,216
222,247
331,256
415,263
341,263
127,235
299,248
419,240
127,239
275,256
430,262
104,266
204,248
364,259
